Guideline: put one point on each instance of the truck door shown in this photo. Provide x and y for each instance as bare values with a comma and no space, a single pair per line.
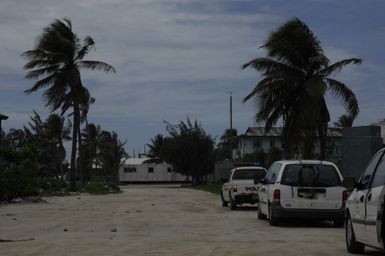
360,199
374,205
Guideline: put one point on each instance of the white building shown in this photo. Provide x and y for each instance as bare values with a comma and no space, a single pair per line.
255,138
145,170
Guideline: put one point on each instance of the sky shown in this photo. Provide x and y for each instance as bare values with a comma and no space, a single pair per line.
181,58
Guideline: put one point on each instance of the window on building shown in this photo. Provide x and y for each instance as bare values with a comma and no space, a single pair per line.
272,143
169,169
150,169
129,169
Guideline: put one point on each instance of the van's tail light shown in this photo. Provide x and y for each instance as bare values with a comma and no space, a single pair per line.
277,196
344,196
235,189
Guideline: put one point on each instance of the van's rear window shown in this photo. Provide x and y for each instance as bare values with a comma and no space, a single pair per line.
310,176
249,174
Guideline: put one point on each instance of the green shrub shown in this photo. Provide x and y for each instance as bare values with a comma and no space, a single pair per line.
100,188
19,180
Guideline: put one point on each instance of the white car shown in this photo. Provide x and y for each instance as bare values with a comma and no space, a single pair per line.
241,187
365,207
302,189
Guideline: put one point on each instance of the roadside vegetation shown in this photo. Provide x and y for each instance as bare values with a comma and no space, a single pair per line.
215,188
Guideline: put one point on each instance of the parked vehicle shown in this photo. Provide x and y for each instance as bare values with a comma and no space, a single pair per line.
302,189
241,188
365,207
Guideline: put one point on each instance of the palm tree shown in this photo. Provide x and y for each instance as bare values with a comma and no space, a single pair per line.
56,131
296,75
90,143
344,121
56,62
111,154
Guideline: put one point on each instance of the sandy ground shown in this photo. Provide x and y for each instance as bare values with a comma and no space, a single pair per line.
155,220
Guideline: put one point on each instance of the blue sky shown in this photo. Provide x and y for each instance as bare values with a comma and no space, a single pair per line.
179,59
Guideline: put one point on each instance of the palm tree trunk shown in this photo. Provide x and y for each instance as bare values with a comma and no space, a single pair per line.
74,145
322,133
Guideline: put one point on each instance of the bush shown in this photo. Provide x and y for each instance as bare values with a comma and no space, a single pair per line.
19,180
100,188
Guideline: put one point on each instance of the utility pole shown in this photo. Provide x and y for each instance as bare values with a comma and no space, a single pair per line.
231,127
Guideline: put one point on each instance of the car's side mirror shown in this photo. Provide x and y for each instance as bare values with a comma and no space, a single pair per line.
349,183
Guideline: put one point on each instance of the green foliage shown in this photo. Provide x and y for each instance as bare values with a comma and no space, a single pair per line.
111,153
189,149
274,154
215,188
55,62
101,188
257,156
295,78
20,174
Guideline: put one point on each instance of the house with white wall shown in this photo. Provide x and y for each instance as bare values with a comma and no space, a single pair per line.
137,170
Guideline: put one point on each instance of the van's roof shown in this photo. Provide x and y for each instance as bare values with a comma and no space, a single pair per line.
304,162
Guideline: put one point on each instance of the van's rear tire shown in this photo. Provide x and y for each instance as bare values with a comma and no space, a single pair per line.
233,204
273,221
260,215
351,244
224,203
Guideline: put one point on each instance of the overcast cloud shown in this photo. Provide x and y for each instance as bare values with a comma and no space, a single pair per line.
176,59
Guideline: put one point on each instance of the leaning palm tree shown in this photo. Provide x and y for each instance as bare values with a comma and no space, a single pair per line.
296,75
56,62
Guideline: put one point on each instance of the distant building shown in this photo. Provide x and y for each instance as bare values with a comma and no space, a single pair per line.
255,138
142,170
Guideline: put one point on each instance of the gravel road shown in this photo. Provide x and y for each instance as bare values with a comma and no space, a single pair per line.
156,220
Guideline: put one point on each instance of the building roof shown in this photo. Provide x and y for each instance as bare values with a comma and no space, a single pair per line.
277,132
135,161
3,117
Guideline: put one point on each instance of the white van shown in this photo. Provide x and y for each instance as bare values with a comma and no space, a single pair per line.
365,220
302,189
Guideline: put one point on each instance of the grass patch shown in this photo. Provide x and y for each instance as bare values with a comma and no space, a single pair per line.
100,188
215,188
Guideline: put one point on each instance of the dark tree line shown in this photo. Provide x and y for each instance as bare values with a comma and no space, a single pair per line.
188,148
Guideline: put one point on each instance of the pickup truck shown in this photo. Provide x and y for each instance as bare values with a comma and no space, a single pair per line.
240,187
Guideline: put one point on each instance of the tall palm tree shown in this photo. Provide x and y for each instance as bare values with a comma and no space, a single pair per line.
56,62
296,75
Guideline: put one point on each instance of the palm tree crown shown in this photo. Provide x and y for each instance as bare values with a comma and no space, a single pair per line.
295,78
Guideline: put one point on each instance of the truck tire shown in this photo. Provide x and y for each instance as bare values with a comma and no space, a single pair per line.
273,221
351,244
338,223
233,204
260,215
224,203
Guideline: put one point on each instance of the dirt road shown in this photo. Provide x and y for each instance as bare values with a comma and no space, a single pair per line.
155,220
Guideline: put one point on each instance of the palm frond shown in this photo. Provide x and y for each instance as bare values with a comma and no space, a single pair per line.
47,81
346,96
42,71
336,67
88,43
98,65
268,65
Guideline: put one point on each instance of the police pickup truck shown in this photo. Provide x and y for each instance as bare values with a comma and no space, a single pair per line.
241,188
